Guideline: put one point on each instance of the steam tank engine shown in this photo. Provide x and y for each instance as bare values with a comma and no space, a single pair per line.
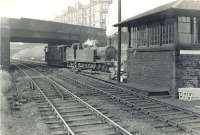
95,58
98,58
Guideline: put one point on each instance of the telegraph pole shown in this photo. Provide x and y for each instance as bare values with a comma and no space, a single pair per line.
119,42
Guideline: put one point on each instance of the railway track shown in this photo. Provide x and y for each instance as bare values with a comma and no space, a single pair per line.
64,112
170,115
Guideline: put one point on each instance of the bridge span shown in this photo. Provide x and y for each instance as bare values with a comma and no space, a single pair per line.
39,31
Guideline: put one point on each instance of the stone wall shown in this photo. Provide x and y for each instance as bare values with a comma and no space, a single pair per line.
153,69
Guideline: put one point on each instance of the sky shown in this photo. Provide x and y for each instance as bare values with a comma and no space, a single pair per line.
37,9
129,8
48,9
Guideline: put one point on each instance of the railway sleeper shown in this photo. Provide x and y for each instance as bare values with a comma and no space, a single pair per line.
86,114
85,125
81,112
64,109
146,104
128,97
68,115
75,110
150,107
77,118
100,127
58,128
80,118
139,101
113,91
170,113
60,133
180,116
180,119
85,122
44,109
49,113
52,121
54,126
159,110
108,131
170,129
60,100
161,125
192,125
190,121
49,117
122,94
66,105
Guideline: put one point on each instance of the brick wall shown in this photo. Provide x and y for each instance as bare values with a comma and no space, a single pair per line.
153,69
188,71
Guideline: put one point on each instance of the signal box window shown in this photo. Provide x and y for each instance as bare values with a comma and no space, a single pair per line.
188,30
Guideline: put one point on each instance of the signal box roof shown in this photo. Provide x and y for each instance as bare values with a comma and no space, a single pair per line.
192,6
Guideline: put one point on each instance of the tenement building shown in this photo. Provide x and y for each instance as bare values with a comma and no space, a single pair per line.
92,14
161,48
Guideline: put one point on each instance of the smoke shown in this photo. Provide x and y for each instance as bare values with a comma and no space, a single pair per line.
34,53
90,43
129,8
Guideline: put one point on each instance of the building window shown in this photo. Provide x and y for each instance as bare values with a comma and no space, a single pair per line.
155,34
184,29
139,36
188,29
134,38
167,33
171,33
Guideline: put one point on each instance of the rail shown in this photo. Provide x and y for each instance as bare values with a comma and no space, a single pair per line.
143,110
108,120
147,97
69,131
157,116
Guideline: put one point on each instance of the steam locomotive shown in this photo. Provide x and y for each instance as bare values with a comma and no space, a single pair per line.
95,58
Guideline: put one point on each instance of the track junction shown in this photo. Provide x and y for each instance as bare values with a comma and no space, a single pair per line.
163,114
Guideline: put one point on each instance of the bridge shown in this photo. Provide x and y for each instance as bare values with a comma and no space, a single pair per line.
39,31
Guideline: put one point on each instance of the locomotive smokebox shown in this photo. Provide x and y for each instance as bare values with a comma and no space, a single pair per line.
107,53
